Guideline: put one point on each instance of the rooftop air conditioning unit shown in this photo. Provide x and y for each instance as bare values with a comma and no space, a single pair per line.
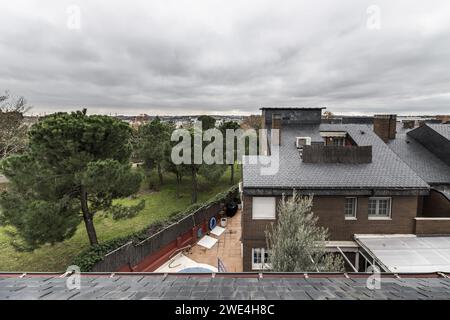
302,141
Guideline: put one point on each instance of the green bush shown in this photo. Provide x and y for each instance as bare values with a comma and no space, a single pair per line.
87,259
126,212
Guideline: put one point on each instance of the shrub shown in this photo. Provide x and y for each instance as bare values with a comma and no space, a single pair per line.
119,212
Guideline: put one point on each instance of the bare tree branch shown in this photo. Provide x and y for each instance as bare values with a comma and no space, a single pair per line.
12,128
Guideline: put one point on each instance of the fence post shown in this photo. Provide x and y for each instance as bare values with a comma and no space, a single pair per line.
194,235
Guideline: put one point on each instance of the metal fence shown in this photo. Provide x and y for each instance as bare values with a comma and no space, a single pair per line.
133,253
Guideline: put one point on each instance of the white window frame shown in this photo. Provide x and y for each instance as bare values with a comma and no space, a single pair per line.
353,217
263,265
377,209
267,217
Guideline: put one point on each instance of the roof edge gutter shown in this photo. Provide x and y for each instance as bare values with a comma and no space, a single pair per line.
268,191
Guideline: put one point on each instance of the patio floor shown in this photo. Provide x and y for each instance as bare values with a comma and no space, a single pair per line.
227,248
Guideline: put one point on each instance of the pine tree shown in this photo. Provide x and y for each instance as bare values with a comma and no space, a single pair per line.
75,166
230,125
153,144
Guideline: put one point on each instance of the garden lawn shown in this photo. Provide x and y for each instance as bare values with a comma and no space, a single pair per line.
159,205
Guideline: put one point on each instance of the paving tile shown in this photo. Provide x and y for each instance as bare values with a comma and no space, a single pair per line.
227,248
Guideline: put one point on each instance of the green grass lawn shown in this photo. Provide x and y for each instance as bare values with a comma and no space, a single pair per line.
158,206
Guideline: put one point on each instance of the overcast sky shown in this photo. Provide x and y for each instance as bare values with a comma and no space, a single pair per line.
225,57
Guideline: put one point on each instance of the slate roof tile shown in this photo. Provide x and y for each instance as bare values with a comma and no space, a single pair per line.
187,288
442,129
429,167
387,170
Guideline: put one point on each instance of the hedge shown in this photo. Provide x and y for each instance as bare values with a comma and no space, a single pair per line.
90,256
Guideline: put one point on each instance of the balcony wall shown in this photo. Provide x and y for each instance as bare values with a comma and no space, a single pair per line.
337,154
432,226
436,205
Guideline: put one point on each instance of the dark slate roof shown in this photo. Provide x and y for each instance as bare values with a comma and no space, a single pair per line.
442,129
228,287
387,170
429,167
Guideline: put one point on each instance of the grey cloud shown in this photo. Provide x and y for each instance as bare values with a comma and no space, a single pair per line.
214,56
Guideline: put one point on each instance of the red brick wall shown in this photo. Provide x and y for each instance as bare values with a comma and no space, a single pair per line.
331,215
152,262
436,226
385,126
247,252
330,210
253,229
436,205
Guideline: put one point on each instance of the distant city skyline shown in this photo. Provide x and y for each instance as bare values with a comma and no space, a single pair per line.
169,57
241,114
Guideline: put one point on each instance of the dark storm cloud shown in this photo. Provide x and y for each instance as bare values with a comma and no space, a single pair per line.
227,56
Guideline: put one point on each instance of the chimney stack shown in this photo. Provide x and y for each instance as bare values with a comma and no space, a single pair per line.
276,124
385,126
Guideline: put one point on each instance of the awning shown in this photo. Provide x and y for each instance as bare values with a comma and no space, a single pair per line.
408,253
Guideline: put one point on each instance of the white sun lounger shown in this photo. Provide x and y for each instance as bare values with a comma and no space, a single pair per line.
207,242
217,231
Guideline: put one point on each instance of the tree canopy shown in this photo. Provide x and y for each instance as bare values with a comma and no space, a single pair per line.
153,146
208,122
75,166
230,125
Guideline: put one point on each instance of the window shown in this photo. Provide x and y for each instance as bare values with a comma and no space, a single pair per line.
257,258
379,208
350,208
337,141
260,259
263,208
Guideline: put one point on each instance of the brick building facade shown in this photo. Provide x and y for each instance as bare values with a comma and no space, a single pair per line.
381,195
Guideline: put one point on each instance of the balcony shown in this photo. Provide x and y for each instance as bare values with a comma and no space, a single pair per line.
337,154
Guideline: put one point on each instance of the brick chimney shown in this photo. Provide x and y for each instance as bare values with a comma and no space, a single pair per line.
276,124
384,125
